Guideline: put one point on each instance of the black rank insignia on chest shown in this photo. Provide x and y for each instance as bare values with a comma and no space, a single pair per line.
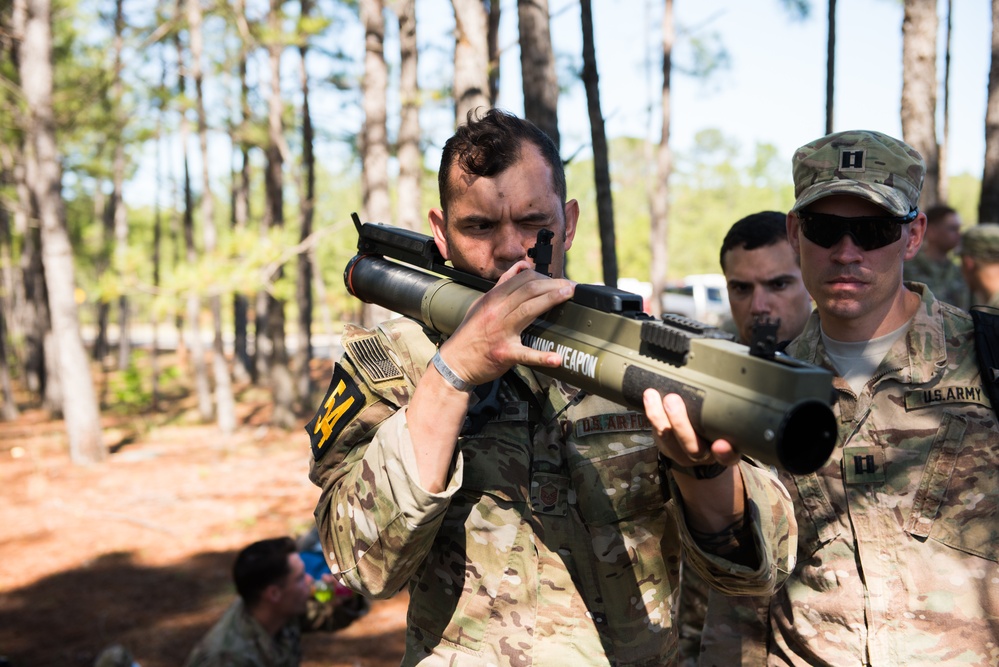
863,465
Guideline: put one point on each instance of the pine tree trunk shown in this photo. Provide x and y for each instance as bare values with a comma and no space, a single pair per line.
197,349
537,67
303,352
830,65
244,367
409,212
919,90
374,139
83,424
118,177
225,406
598,136
282,384
664,165
471,58
988,205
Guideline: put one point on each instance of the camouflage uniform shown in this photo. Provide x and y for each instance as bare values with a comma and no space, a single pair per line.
897,560
943,278
553,542
238,640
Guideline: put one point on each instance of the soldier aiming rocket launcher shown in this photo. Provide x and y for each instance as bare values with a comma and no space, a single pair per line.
768,405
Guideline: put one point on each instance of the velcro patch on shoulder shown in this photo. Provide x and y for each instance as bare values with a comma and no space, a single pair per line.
342,403
370,354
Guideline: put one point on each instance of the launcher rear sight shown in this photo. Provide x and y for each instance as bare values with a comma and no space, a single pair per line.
776,409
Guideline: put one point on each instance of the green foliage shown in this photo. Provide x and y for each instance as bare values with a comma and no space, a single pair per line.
127,391
965,191
709,191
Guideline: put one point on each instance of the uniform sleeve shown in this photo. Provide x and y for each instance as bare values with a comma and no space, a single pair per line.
775,534
375,522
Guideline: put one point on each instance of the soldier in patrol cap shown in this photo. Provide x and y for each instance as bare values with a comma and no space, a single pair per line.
934,265
898,551
529,521
980,263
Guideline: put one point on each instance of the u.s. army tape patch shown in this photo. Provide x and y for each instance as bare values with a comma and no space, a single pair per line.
924,398
342,403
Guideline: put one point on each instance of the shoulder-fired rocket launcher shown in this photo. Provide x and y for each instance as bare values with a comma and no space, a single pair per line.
768,405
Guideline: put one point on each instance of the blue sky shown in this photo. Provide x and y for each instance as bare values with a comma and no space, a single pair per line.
774,90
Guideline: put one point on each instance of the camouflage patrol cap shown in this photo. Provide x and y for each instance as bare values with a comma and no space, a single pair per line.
866,164
981,242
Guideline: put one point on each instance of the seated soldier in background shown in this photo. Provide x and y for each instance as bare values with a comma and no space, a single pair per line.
261,627
933,264
980,264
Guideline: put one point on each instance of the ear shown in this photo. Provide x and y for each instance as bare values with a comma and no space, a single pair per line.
438,225
792,233
571,218
917,230
271,594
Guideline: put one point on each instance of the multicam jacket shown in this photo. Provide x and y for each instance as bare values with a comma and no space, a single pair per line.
898,553
943,278
553,543
238,640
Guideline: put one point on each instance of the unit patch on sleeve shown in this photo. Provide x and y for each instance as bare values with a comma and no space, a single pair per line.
342,403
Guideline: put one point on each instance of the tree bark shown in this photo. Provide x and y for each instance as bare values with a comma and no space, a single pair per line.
492,41
409,212
598,137
244,367
919,90
374,137
80,409
225,405
282,385
471,58
202,387
943,180
988,205
120,217
537,66
664,165
830,65
9,410
303,283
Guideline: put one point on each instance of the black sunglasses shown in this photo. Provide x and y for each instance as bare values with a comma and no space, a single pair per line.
870,232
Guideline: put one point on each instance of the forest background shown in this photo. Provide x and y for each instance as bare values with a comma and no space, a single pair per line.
177,178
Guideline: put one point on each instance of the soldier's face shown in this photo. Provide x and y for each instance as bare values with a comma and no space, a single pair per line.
296,588
766,282
857,292
493,222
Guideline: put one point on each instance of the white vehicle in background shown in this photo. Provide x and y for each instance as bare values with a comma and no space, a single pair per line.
701,297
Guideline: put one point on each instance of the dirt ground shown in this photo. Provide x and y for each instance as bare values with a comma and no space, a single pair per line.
138,550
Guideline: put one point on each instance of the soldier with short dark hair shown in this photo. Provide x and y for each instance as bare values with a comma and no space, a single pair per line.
261,627
531,522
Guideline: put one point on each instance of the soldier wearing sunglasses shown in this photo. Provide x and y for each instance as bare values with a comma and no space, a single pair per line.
899,532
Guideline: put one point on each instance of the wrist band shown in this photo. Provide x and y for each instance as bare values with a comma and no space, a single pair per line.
449,375
709,471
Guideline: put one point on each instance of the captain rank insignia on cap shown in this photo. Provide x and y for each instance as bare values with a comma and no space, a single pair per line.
852,159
